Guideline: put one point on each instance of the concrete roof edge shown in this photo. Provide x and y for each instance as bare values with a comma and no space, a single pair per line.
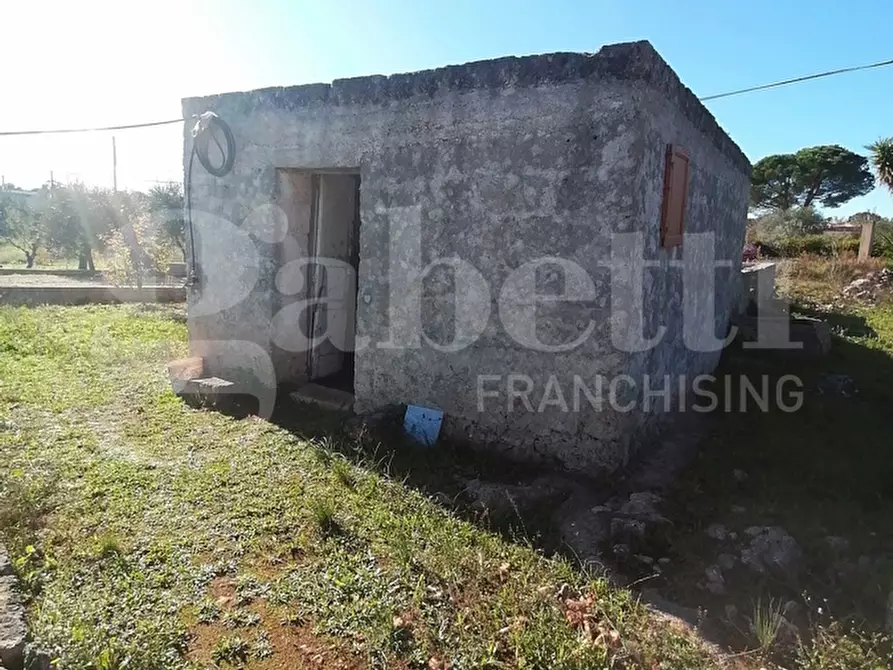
629,61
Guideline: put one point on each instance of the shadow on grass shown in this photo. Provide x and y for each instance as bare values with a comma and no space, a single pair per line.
824,470
441,471
823,473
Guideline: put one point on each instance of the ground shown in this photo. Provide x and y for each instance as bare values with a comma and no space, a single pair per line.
148,534
821,476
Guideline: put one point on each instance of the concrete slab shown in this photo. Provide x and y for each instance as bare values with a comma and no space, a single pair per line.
333,399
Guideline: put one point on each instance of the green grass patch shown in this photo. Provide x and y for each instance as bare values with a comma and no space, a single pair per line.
126,510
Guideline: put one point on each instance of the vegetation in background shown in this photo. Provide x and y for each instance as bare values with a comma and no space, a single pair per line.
20,227
167,207
788,223
882,160
136,230
828,175
817,245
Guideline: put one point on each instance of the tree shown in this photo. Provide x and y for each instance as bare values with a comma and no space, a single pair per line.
138,248
79,220
882,160
166,205
828,175
20,227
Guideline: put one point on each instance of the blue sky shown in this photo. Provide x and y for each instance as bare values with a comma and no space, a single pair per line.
98,62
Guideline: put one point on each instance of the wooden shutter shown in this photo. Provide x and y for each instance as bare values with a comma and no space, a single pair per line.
672,221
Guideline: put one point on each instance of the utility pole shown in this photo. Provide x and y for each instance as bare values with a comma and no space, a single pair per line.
114,165
52,183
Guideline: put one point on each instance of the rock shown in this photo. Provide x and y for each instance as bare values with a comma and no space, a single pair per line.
508,501
717,531
657,603
791,608
731,612
739,475
815,335
771,549
630,531
837,385
12,625
716,588
5,562
642,505
647,560
663,561
836,543
621,551
584,527
716,584
714,574
738,509
726,561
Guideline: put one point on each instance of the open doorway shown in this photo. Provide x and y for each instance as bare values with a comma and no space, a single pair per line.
332,278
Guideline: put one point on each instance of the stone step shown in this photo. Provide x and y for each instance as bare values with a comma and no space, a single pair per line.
328,398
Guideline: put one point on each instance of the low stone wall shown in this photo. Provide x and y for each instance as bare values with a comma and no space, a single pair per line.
92,275
79,274
88,295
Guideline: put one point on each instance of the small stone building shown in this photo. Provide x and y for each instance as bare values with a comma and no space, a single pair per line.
456,238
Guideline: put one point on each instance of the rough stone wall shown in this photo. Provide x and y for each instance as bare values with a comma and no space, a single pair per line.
497,164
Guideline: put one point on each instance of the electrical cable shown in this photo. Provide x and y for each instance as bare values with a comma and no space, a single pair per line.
786,82
795,80
9,133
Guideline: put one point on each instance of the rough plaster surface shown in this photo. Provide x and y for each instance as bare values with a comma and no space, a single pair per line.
502,162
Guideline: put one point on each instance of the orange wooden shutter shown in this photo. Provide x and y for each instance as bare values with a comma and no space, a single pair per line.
672,221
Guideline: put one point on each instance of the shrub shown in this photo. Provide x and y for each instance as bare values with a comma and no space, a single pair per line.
789,223
883,241
816,245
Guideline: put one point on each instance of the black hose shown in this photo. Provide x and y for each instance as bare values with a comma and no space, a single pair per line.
202,135
203,138
191,276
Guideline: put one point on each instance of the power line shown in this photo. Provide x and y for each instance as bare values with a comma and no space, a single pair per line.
763,87
89,130
795,80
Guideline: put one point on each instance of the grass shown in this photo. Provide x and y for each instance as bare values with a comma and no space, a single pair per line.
142,528
823,473
148,534
12,258
819,279
766,622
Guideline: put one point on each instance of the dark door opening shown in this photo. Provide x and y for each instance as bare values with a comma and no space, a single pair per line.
332,279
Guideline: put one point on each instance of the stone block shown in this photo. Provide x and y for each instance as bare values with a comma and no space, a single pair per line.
12,625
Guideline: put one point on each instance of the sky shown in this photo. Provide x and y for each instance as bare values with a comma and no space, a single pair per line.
93,63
